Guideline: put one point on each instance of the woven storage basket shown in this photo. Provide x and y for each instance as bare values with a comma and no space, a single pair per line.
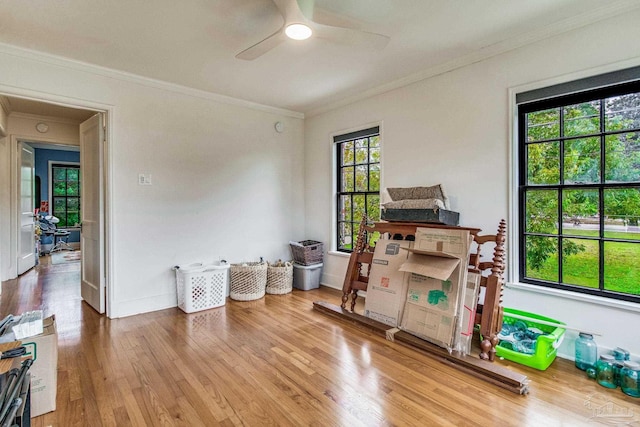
307,252
279,278
248,281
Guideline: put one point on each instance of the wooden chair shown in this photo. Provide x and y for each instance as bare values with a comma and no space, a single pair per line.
489,313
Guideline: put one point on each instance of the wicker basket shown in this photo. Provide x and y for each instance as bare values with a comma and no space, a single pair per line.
279,278
307,252
248,281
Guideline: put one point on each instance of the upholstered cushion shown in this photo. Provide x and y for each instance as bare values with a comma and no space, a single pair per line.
415,204
414,193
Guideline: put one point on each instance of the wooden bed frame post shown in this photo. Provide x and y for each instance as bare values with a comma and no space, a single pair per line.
491,318
491,321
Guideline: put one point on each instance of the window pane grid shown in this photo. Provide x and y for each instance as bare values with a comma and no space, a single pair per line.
580,193
358,186
66,195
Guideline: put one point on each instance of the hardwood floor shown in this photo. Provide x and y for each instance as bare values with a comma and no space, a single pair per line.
276,362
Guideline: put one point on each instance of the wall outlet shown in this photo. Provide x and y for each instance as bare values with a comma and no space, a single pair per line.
144,179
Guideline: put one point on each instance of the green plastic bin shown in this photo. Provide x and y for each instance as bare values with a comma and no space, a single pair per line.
546,345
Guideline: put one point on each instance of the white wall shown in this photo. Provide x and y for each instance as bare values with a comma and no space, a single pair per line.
454,129
225,184
60,130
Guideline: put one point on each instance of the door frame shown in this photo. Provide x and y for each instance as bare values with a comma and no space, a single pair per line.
108,111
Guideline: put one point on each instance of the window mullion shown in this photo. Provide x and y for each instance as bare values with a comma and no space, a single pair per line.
601,207
560,197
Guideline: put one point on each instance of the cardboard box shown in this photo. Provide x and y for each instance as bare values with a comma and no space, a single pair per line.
467,317
431,325
43,349
387,288
438,273
431,309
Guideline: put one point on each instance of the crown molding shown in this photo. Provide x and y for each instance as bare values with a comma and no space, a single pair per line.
5,104
609,10
75,65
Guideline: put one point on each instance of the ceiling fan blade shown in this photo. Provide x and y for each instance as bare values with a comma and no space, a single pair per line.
291,10
263,46
350,36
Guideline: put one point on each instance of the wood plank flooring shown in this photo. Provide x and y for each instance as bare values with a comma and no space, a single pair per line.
276,362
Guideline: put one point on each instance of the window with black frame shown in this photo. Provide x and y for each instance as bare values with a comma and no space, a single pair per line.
65,191
358,183
579,191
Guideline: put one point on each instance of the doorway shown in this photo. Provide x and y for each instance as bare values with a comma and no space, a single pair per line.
56,127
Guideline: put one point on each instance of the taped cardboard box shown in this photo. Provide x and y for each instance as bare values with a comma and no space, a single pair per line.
432,304
466,321
430,325
43,349
438,273
387,287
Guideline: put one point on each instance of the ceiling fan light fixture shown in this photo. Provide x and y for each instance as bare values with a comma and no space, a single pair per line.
298,31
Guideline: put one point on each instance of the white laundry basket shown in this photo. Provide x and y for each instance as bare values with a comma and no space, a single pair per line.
202,286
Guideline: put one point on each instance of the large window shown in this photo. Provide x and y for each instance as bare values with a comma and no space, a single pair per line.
579,191
358,182
65,193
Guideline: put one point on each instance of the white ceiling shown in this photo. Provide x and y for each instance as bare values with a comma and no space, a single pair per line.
193,43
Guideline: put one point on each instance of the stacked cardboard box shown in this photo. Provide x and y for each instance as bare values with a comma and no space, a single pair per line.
387,287
438,266
423,287
43,349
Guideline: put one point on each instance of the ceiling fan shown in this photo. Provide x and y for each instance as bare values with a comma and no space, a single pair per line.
299,25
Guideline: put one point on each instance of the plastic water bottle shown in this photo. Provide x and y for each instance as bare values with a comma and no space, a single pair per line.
586,351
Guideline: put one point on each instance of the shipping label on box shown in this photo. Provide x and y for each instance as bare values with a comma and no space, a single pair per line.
43,349
431,325
387,287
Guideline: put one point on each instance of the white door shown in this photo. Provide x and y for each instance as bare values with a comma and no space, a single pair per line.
91,199
26,236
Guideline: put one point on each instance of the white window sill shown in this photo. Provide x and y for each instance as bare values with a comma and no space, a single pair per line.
592,299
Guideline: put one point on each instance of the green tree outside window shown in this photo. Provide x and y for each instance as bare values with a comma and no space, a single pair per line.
580,193
66,194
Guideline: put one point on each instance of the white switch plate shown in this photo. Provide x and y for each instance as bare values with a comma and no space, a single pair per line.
144,179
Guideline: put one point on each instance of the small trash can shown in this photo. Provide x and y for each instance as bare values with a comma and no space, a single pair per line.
306,277
202,286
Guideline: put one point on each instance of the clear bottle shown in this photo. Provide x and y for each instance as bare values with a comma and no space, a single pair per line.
586,351
630,378
605,371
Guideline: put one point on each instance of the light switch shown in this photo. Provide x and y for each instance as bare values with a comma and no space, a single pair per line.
144,179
